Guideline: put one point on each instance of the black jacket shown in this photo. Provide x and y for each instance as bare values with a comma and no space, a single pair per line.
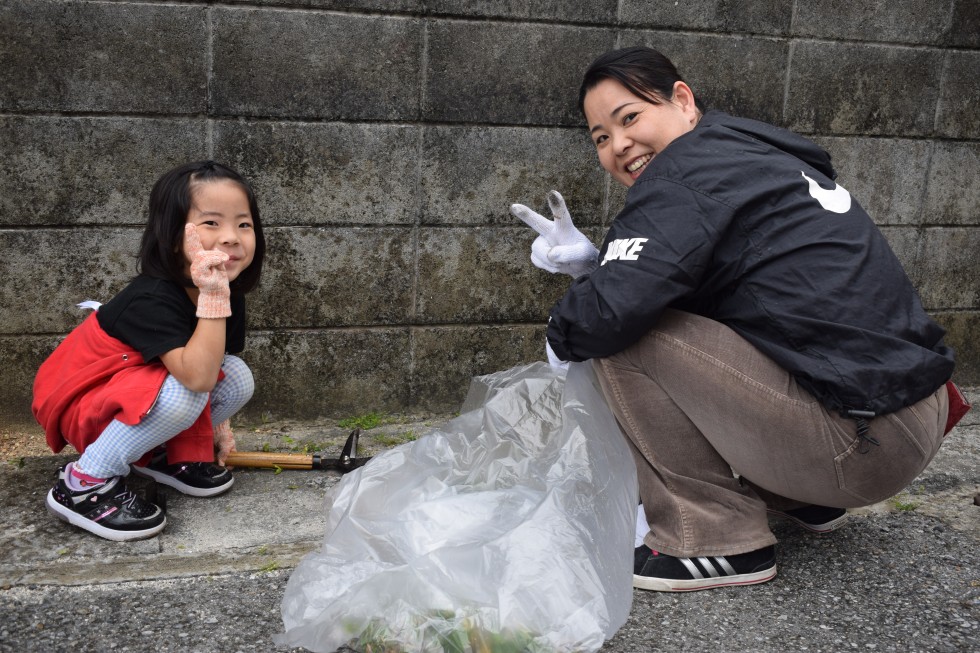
729,222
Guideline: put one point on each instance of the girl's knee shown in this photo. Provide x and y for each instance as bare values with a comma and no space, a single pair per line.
180,406
238,378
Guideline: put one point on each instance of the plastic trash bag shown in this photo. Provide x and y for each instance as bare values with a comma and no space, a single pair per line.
509,530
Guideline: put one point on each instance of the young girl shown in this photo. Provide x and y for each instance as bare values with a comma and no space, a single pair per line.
147,380
744,313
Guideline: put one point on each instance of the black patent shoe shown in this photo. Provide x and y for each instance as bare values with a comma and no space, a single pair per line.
109,510
195,479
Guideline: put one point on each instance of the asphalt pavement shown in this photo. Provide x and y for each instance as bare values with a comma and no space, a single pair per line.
903,575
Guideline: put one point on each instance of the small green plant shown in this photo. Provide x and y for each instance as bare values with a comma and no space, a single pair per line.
904,506
305,448
445,634
263,550
363,422
272,566
389,440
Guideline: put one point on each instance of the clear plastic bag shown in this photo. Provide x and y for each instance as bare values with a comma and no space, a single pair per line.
509,530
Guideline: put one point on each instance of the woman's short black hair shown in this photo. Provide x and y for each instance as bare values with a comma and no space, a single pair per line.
161,250
645,72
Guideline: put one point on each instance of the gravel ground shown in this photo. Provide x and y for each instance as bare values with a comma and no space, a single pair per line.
897,582
902,576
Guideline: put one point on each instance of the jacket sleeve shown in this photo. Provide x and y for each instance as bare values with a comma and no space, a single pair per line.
656,254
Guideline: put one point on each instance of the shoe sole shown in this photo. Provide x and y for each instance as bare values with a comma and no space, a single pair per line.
67,514
827,527
184,488
695,584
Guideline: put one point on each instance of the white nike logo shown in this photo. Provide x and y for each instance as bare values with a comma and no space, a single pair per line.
837,200
624,249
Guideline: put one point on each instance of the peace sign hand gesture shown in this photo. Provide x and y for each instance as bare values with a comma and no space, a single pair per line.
208,274
559,247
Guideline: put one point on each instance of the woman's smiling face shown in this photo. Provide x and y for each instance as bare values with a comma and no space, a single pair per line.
629,131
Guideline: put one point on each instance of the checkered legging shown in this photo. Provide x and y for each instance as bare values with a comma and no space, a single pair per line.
175,410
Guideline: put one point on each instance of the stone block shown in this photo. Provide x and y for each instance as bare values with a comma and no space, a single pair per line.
20,358
46,272
743,76
591,11
901,21
949,277
952,194
886,176
304,64
906,242
617,200
388,6
473,275
327,373
962,328
317,277
471,175
81,171
965,25
513,73
844,88
758,16
326,173
447,358
104,57
957,116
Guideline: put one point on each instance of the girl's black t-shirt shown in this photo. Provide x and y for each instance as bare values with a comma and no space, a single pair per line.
154,316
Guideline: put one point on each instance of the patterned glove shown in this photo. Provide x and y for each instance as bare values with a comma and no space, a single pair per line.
560,247
224,441
208,274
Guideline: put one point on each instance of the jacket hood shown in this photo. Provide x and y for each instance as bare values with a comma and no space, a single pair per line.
782,139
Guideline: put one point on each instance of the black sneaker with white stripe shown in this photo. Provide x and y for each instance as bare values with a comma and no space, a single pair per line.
664,573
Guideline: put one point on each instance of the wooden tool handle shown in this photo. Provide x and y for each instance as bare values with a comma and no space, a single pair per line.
269,459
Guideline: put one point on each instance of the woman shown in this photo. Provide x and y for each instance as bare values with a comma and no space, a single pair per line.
744,313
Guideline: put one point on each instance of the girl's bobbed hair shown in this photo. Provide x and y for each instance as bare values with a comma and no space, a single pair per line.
161,250
644,72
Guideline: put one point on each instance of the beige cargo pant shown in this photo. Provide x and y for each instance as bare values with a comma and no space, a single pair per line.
696,401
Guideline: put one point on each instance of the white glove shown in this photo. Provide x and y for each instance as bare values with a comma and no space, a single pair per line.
560,247
553,360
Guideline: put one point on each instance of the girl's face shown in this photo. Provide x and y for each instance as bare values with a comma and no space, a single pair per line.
629,131
220,211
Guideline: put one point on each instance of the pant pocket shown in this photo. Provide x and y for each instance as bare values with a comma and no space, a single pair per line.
883,470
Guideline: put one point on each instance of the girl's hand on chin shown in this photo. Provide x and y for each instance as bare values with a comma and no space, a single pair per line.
208,274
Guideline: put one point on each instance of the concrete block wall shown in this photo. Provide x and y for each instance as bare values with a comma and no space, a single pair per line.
386,140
